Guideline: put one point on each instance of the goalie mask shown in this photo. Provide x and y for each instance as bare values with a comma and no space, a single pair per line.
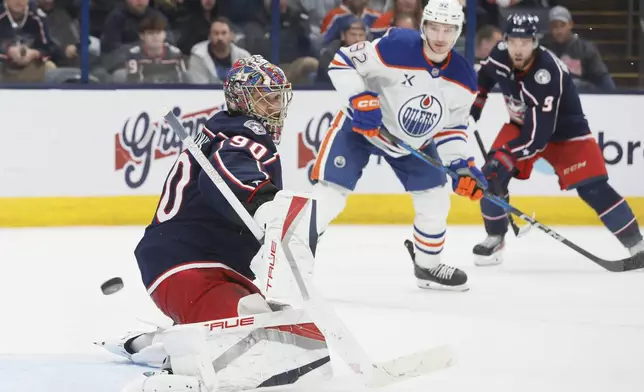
259,89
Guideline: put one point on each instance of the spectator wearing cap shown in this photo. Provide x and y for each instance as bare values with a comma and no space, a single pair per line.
353,30
400,10
581,56
335,19
211,60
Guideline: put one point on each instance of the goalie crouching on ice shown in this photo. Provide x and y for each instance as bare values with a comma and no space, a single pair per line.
195,257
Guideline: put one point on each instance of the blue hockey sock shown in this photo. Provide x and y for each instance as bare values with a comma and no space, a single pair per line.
495,218
613,210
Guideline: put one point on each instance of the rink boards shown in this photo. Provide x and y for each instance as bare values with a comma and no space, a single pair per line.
100,157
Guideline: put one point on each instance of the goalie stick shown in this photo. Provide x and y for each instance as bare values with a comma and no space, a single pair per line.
348,348
626,264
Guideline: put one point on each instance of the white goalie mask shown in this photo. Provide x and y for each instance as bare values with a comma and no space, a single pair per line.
448,12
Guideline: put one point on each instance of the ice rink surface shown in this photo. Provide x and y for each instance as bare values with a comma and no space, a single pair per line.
546,320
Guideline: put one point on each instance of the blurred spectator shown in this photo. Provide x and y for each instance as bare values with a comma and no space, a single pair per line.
240,12
64,33
153,60
173,10
404,21
122,24
581,56
25,46
486,38
317,10
333,21
195,27
402,8
98,12
211,60
353,31
295,48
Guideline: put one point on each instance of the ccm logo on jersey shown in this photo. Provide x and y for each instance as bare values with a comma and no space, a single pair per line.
231,323
271,265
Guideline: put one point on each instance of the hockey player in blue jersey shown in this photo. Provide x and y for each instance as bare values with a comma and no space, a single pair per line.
195,257
414,85
546,121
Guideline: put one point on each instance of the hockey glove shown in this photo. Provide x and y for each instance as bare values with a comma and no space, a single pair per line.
367,116
470,182
500,167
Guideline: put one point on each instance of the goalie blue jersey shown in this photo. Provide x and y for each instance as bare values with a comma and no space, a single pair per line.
194,226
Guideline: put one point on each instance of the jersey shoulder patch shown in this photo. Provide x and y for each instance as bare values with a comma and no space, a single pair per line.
542,76
136,49
256,127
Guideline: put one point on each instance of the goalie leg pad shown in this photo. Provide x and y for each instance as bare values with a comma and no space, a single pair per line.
266,349
332,199
430,224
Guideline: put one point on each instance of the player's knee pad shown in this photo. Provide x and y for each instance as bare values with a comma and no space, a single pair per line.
332,199
598,194
430,223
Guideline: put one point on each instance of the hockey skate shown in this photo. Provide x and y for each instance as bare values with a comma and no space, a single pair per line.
637,248
137,346
490,251
441,277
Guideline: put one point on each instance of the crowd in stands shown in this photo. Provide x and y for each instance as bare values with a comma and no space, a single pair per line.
197,41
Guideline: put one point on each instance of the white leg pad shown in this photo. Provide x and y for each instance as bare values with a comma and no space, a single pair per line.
430,224
332,199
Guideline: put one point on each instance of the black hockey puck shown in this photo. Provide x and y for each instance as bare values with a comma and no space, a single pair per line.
112,286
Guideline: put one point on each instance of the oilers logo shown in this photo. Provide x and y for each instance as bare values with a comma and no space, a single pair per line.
420,115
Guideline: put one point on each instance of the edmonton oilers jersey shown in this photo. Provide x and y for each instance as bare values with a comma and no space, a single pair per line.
193,223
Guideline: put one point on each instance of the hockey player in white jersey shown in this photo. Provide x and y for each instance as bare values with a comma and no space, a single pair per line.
417,88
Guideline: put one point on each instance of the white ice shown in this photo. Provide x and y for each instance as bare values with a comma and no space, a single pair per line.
545,320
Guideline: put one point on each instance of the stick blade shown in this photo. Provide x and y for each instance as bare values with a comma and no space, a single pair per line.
413,365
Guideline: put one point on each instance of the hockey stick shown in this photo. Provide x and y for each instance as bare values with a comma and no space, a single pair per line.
626,264
374,374
519,232
331,325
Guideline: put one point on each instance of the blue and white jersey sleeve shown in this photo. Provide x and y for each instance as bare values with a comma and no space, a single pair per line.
351,66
